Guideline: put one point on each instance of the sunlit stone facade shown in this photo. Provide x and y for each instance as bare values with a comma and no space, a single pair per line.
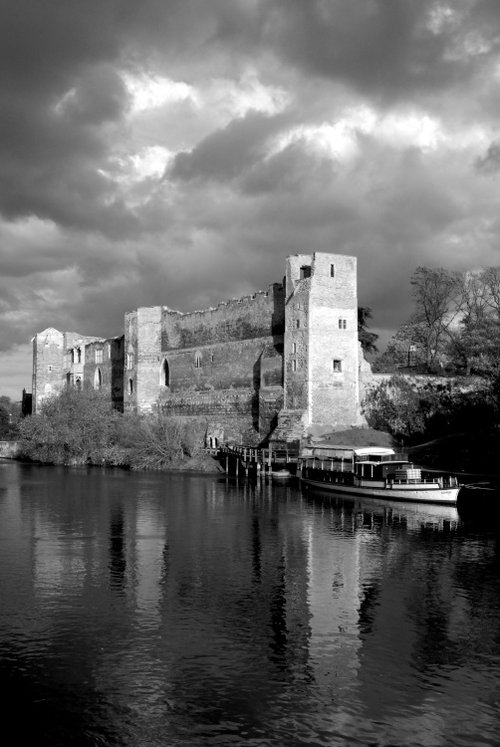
280,361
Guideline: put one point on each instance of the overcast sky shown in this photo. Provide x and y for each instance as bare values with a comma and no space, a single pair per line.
176,151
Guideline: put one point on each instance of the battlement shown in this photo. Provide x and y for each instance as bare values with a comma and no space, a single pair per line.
293,345
270,293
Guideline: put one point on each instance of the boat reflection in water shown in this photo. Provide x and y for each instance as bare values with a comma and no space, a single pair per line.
145,608
371,511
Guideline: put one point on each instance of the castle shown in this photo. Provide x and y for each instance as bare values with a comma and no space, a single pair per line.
277,364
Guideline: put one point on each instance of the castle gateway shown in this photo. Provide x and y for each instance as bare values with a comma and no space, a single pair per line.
276,364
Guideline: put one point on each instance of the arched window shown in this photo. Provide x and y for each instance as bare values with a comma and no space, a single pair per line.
197,359
97,379
164,373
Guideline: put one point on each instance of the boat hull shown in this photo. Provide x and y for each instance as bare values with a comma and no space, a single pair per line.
410,493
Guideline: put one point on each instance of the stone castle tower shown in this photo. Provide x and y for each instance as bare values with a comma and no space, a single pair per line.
279,364
321,355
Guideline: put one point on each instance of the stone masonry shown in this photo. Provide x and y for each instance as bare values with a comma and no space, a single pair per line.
273,365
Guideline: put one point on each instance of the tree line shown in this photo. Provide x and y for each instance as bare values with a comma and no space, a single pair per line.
452,333
81,427
454,327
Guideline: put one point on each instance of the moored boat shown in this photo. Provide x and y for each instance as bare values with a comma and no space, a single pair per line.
376,472
281,475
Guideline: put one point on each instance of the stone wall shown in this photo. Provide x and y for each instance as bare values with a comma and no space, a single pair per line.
291,351
48,362
321,340
259,315
209,363
333,341
103,368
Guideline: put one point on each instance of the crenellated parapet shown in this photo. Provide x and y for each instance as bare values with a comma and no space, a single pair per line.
283,359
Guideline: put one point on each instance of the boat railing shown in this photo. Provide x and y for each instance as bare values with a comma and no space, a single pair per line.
385,458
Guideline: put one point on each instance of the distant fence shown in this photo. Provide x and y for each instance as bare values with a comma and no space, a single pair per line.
9,449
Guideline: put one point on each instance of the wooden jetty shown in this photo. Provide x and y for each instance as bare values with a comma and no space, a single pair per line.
256,462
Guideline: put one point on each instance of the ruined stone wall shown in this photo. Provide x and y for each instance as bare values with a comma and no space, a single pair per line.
199,363
103,369
292,349
259,315
234,364
129,363
142,348
48,364
296,361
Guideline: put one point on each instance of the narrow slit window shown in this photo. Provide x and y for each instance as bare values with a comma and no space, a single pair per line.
337,365
332,271
297,323
164,373
294,348
197,360
294,365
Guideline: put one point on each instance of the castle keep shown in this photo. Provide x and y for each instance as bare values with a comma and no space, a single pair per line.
275,364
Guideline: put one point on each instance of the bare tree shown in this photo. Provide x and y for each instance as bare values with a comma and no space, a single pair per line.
438,296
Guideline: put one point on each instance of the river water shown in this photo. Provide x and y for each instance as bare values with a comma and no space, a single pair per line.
147,610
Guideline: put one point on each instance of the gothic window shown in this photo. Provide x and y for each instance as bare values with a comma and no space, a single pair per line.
72,355
164,373
337,366
98,355
79,355
97,379
197,359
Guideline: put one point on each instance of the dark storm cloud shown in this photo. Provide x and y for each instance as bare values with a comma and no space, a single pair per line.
490,162
63,104
226,154
388,49
254,150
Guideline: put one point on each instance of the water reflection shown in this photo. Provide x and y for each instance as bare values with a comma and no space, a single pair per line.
117,559
177,609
